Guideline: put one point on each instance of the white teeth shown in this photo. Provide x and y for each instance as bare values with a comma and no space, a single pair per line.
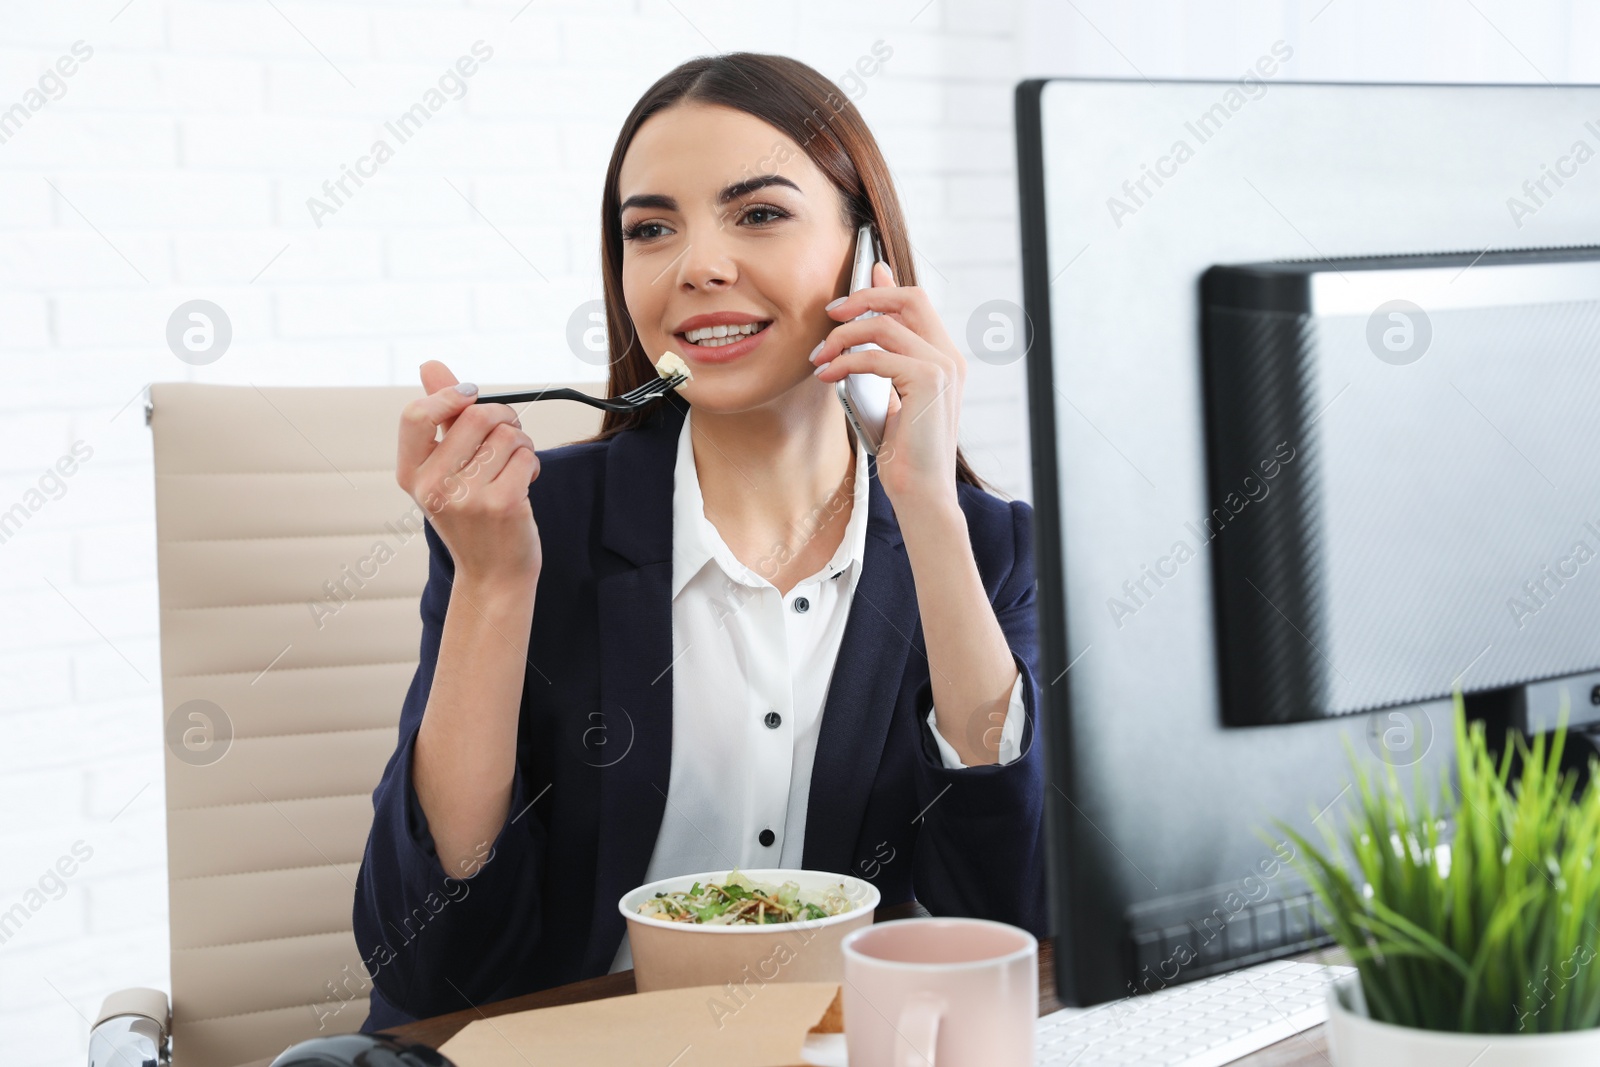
715,336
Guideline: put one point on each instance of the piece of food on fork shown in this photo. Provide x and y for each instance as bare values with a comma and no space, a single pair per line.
671,365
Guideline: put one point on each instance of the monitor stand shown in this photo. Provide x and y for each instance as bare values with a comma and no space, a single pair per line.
1535,709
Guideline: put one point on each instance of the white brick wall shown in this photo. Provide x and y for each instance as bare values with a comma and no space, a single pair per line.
177,166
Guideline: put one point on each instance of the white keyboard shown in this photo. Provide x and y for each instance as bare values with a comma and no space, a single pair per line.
1199,1024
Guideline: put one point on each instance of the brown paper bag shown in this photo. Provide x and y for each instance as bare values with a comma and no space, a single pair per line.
702,1026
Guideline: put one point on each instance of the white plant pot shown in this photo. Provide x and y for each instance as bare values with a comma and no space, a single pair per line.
1359,1041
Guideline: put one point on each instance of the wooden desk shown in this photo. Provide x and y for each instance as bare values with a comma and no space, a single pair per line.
1306,1049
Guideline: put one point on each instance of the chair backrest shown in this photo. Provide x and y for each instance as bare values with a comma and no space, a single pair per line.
290,568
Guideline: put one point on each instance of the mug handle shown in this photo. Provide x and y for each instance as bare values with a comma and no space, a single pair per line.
917,1032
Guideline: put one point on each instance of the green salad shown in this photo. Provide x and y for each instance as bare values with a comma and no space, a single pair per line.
740,899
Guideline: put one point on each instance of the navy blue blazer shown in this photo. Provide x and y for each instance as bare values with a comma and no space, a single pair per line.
594,748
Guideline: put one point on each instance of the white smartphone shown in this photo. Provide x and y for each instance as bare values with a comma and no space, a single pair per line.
865,396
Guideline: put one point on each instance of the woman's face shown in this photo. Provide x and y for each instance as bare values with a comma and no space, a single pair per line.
730,226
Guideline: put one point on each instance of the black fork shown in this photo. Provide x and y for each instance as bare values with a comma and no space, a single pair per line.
632,400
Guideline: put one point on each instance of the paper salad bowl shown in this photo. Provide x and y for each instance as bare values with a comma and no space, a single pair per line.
671,955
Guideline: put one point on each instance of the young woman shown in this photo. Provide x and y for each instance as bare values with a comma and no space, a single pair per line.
722,634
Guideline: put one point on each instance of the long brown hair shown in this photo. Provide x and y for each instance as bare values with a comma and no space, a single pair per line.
811,111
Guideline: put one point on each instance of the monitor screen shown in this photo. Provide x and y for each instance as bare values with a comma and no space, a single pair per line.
1402,459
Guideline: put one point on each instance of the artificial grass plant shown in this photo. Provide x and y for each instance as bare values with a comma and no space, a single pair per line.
1495,931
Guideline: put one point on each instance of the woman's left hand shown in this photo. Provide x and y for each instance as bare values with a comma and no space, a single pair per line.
917,460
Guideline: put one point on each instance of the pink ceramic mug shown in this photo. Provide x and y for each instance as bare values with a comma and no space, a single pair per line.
941,993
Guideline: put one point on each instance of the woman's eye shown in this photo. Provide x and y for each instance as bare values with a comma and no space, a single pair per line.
642,231
773,212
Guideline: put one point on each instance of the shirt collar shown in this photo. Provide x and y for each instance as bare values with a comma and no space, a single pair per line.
695,541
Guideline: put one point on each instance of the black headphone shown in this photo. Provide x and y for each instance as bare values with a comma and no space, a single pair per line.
360,1050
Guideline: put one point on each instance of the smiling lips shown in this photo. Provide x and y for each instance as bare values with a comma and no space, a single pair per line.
721,336
717,336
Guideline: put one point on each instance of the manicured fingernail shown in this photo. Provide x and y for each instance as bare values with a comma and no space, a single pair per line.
821,367
466,388
813,356
830,305
886,269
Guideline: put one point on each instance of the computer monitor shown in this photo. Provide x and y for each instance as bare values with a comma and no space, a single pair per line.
1431,492
1173,746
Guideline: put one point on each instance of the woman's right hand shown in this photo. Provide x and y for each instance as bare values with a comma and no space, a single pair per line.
473,484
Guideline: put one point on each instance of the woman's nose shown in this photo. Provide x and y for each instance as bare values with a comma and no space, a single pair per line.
706,266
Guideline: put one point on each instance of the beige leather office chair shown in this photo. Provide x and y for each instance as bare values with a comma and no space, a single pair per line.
290,568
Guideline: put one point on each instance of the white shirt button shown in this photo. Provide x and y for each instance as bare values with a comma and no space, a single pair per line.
801,604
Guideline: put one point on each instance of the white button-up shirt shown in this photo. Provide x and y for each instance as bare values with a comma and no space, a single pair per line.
750,674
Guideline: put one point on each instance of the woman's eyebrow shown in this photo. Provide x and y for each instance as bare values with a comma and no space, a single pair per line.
731,192
750,185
